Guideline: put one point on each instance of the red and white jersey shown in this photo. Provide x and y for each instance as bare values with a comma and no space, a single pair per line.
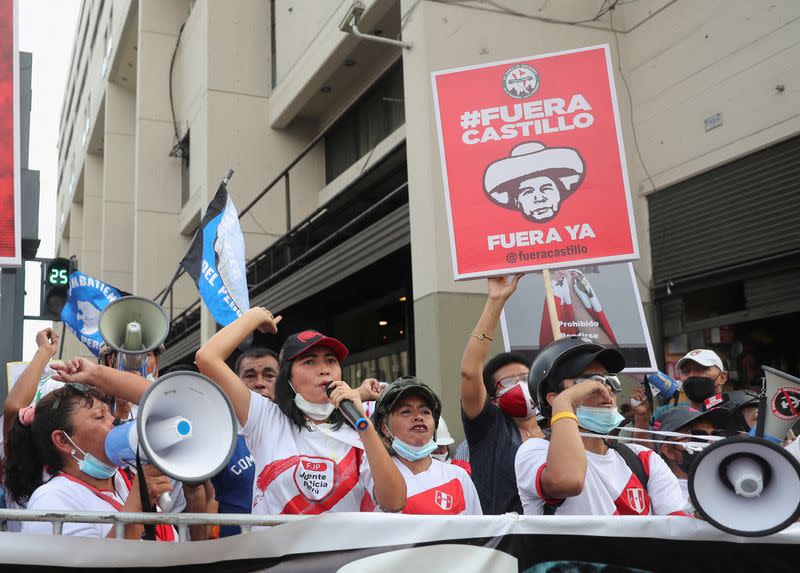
610,487
442,489
302,471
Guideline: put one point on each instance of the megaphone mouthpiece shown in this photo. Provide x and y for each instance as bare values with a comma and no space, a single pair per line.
746,476
163,434
133,337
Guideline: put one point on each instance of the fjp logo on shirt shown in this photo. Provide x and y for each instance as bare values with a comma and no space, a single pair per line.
444,500
315,477
636,499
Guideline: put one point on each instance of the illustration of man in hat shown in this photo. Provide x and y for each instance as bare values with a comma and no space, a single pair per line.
534,179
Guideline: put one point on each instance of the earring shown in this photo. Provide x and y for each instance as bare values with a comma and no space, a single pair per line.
72,452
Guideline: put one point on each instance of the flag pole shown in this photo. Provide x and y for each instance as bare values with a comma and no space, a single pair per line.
180,270
551,305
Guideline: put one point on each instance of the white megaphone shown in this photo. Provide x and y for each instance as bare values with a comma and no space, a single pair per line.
746,486
133,326
783,404
186,427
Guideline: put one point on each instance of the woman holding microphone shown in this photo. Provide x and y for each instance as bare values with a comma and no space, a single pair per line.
309,460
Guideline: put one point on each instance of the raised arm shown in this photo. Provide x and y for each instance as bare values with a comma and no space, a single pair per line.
565,472
210,359
473,391
25,388
118,383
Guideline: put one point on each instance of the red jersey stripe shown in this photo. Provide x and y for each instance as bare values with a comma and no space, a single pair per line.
346,480
445,499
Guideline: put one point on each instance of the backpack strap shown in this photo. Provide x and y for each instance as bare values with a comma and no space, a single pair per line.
633,461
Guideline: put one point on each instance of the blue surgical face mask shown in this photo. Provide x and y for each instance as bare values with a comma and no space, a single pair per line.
598,420
90,465
409,452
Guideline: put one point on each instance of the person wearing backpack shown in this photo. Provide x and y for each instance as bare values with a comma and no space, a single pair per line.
575,384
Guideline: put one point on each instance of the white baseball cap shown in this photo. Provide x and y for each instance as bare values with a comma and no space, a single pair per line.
703,357
443,437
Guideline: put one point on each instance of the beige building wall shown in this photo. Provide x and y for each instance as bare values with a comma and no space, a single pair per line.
116,245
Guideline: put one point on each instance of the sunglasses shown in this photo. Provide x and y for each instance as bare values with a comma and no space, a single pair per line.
717,433
609,380
83,390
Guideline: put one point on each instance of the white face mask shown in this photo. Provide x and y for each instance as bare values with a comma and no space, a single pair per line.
314,411
440,457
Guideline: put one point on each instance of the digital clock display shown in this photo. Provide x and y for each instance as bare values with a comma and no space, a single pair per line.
58,272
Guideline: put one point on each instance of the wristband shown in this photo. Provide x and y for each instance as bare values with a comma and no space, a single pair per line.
563,415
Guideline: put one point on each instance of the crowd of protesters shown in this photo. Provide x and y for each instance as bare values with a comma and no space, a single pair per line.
539,436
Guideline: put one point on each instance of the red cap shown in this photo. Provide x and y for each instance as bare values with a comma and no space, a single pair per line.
299,342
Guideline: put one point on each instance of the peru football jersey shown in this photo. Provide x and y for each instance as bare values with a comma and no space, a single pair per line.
442,489
610,487
303,471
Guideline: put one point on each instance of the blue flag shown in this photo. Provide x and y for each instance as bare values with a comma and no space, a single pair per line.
86,299
216,260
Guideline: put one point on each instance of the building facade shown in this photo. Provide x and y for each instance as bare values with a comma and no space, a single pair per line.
332,138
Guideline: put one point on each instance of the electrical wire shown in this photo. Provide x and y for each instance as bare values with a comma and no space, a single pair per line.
630,103
178,148
605,7
633,126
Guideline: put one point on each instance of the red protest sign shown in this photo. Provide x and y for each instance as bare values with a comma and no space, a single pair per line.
533,164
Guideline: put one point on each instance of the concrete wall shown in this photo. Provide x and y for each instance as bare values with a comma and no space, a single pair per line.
297,24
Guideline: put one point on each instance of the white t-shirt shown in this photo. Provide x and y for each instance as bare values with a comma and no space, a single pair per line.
688,508
610,487
302,471
63,494
442,489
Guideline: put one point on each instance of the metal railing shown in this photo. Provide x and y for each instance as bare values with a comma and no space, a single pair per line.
181,521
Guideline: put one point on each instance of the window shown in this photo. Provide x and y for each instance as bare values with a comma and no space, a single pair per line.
369,121
107,42
86,120
97,17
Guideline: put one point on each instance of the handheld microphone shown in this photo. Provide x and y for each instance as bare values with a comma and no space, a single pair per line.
350,412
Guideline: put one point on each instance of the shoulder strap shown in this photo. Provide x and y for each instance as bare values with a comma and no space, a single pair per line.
632,460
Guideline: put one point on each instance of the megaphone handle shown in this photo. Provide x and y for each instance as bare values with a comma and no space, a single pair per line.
165,502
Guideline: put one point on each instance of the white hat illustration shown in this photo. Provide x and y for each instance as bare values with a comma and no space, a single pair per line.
504,180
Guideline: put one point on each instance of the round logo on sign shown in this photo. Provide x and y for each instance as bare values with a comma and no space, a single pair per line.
786,403
520,81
